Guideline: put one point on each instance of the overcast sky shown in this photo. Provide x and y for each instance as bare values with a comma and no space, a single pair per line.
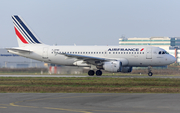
90,22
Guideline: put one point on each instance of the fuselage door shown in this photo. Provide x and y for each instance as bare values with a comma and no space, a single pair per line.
149,53
45,53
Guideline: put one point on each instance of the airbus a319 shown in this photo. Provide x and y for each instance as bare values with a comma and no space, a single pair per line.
109,58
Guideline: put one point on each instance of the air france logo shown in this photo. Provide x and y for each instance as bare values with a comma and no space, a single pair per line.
142,49
125,49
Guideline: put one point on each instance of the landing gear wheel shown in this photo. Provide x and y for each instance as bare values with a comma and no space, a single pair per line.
150,73
91,73
98,73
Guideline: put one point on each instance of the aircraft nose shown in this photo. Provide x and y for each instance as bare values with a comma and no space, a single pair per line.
173,59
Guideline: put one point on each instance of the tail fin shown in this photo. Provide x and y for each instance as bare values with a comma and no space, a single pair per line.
24,35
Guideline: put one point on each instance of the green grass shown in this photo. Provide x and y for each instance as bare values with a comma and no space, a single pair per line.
89,85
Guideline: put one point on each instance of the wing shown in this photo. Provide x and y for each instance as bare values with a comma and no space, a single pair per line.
88,59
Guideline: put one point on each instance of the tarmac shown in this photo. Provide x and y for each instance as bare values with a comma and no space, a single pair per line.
89,103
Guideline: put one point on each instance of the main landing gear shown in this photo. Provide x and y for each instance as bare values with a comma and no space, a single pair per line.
149,71
91,73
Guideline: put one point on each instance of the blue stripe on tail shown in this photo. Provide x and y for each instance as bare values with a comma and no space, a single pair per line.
21,29
27,30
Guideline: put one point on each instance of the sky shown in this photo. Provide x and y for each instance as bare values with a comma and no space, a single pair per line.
90,22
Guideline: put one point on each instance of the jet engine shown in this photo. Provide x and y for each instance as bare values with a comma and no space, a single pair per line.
126,69
113,66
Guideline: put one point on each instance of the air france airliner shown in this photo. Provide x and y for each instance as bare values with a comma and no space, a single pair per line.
109,58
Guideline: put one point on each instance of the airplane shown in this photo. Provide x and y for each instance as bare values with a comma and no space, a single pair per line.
109,58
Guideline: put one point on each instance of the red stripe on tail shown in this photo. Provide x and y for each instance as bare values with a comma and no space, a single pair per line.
20,36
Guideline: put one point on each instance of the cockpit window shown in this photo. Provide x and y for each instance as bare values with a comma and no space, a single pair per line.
163,52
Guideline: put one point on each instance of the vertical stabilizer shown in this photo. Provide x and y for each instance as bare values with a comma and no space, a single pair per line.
24,35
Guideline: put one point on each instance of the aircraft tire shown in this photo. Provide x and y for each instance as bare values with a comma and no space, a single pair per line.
150,73
98,73
91,73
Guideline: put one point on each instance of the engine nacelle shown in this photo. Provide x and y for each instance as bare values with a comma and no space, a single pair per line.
126,69
113,66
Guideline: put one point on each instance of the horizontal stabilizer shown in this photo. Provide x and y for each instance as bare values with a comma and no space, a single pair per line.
18,50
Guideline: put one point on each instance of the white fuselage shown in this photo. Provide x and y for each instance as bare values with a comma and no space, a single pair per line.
135,55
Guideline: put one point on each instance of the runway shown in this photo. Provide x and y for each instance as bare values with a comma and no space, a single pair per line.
88,103
120,76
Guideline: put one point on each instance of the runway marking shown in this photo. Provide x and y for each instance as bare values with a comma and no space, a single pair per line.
67,110
13,104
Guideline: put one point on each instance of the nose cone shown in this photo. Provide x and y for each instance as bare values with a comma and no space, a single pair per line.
172,59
